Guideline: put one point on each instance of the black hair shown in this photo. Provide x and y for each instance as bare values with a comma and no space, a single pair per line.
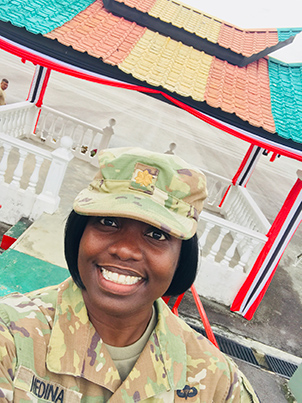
184,275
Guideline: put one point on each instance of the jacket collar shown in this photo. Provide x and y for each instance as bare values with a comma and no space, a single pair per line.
76,349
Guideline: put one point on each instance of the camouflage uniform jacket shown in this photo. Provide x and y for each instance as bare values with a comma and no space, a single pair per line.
50,352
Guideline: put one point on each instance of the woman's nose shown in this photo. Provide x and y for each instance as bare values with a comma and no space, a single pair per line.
126,247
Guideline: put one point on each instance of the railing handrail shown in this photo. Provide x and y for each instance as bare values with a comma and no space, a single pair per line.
21,144
217,176
71,118
16,105
222,222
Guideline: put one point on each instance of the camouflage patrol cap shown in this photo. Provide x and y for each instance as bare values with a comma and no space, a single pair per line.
159,189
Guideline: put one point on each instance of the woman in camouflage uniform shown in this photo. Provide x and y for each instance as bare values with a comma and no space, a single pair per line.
105,334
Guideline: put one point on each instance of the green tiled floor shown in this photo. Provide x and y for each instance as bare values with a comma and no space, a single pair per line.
23,273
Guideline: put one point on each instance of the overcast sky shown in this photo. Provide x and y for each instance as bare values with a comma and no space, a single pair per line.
260,14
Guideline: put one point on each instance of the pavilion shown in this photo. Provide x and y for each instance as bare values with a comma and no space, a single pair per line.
216,71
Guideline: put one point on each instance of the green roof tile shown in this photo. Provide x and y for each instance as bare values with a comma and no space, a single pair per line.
41,16
286,98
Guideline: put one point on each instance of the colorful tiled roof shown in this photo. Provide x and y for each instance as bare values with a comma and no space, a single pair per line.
163,62
265,94
192,25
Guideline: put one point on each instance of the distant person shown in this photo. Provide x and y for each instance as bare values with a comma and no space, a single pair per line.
3,87
172,147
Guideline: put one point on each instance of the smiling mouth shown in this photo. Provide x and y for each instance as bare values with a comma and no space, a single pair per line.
120,278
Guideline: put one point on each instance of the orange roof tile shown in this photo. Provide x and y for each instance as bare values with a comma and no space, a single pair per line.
99,33
244,91
247,42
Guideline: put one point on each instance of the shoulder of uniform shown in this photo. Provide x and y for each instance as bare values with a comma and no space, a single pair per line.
16,305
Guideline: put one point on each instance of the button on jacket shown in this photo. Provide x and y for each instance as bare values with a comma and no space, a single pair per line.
50,352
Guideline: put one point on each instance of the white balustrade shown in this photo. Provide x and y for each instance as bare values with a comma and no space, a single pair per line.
87,139
18,120
224,266
216,247
18,197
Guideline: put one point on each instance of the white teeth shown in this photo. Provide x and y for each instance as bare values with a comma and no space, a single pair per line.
120,278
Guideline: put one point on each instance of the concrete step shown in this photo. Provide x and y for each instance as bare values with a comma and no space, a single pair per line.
22,273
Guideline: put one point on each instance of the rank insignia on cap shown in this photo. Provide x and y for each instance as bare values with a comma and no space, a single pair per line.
144,178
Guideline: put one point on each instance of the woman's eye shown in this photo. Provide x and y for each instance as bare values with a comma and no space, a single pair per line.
157,234
108,221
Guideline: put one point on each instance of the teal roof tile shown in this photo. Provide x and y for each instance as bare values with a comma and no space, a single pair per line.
286,98
286,33
41,16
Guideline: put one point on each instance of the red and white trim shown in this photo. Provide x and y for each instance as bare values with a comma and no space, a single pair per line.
247,166
38,85
283,228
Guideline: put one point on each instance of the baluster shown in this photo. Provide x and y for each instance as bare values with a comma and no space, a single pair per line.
7,123
61,131
241,216
51,132
4,119
81,139
35,175
202,240
72,133
21,122
40,127
15,125
246,255
89,134
232,210
250,222
211,198
249,217
3,163
216,246
107,133
231,251
11,123
19,170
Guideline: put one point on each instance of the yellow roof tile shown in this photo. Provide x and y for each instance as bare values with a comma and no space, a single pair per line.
192,20
162,61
